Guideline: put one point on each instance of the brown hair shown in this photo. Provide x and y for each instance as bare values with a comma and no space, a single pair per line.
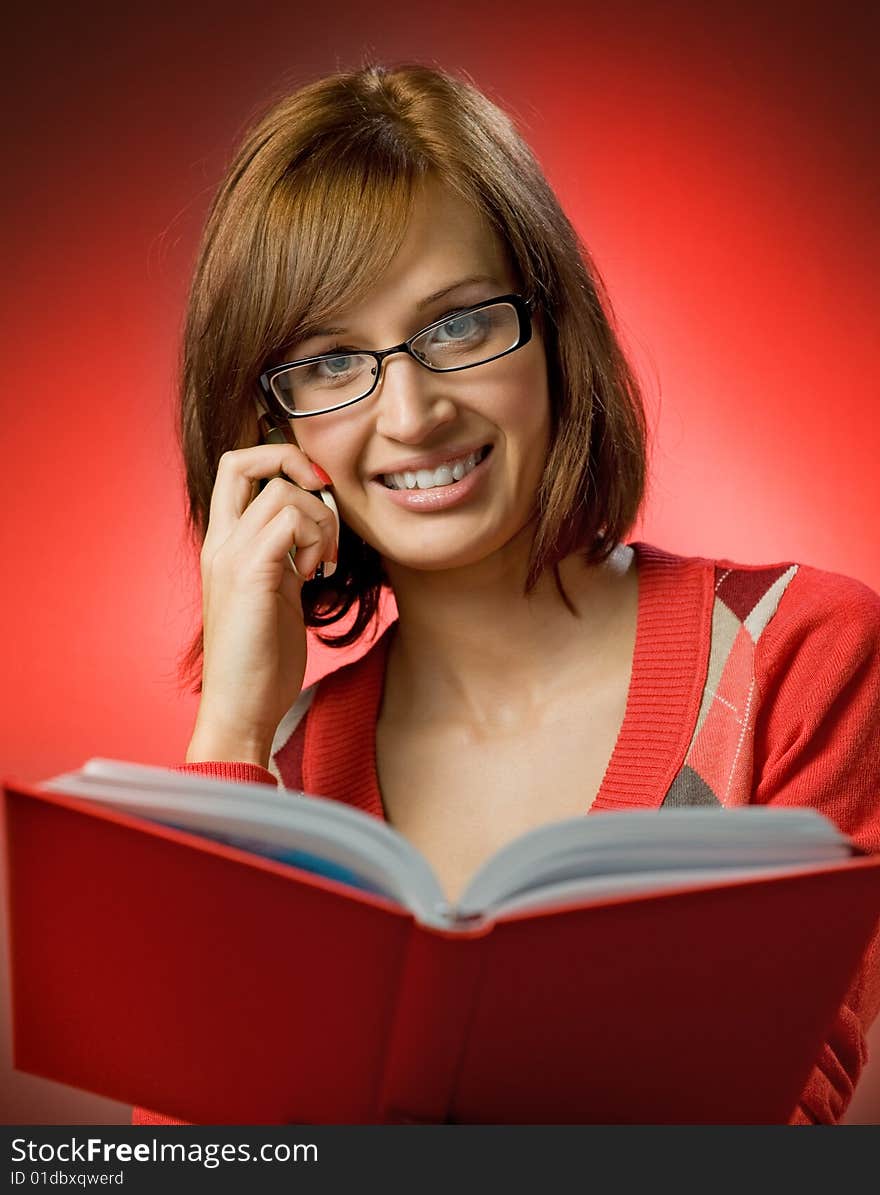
315,203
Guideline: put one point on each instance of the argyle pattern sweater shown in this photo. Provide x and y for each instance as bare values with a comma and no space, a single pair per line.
750,684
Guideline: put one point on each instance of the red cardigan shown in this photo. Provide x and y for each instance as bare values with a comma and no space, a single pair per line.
750,684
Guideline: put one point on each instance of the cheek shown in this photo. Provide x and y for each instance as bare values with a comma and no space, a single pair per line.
517,401
325,441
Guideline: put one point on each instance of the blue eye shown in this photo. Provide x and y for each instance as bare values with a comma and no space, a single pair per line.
337,365
334,371
457,328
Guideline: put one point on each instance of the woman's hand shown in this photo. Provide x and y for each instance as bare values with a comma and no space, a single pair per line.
255,646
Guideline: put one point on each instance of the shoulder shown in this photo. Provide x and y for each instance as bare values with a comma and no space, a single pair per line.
818,667
812,591
816,699
824,622
780,603
808,624
794,687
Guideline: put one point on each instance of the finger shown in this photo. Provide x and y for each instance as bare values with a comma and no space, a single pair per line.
318,558
298,537
239,470
310,524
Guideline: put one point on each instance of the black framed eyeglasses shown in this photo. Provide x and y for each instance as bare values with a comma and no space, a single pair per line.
472,336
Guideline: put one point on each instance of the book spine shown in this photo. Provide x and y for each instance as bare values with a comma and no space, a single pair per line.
439,983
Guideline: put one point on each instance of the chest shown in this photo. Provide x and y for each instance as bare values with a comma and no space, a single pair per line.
459,796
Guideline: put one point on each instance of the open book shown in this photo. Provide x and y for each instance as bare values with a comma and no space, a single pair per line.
227,953
578,859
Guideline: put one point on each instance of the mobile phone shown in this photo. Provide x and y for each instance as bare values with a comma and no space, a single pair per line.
273,434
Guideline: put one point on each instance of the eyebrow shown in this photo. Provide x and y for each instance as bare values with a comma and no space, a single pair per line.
471,280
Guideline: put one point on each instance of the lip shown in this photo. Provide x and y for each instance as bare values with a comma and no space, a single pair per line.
431,461
440,497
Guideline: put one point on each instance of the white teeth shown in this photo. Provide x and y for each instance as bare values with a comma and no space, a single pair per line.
426,479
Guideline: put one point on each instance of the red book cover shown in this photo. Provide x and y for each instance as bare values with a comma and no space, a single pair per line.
160,968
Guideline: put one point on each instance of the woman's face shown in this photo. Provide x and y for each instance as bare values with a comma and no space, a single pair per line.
419,419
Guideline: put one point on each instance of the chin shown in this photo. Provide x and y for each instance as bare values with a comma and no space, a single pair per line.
439,557
438,562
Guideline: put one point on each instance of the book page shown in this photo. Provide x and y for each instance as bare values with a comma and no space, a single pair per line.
311,833
629,850
648,842
598,889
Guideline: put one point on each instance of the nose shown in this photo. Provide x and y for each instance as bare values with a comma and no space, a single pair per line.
411,401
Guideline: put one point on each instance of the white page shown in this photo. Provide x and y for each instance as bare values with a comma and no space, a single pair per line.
554,856
596,889
264,820
653,840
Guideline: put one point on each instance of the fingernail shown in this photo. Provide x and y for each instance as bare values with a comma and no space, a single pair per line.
322,476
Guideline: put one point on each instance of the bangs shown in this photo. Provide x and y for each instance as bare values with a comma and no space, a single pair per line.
336,222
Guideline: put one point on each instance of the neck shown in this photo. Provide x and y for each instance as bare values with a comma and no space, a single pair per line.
471,647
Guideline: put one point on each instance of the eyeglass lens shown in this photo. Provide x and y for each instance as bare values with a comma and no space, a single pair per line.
468,338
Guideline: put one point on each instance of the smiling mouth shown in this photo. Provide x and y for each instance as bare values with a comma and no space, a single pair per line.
430,479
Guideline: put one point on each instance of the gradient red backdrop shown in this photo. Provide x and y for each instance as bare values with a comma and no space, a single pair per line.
718,160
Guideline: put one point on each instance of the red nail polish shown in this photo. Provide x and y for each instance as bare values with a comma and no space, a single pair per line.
325,477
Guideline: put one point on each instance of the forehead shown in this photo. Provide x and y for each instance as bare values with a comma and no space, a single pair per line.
446,239
442,223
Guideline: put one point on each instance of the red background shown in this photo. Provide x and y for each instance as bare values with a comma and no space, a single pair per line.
719,161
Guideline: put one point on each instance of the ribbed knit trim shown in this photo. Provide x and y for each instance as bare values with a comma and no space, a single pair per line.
670,662
339,758
245,773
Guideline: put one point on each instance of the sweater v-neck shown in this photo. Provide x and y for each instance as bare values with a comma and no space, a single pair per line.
670,663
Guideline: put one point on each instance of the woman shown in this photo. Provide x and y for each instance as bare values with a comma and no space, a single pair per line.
387,277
